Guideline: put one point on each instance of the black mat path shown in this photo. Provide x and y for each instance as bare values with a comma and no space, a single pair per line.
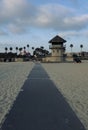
40,106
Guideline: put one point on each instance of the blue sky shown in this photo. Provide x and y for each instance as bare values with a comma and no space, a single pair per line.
35,22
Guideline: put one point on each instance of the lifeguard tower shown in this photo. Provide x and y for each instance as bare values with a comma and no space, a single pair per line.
57,49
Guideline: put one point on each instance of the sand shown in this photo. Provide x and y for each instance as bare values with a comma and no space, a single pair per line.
71,79
12,78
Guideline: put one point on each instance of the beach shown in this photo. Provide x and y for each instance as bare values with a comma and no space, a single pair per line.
12,77
71,79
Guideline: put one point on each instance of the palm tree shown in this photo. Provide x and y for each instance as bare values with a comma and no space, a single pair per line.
11,49
42,47
32,48
20,49
24,49
81,46
6,49
71,45
28,47
16,49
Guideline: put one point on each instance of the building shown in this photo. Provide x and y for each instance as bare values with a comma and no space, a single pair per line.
57,50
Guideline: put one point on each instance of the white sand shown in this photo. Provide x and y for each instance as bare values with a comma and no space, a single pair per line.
72,81
12,78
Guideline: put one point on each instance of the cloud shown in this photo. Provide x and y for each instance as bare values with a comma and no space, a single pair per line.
11,10
76,22
51,15
69,34
16,29
60,18
75,34
15,15
3,32
19,15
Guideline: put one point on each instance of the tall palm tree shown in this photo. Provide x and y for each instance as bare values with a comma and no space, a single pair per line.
71,45
28,47
6,49
20,49
32,48
42,47
81,46
24,49
10,49
16,49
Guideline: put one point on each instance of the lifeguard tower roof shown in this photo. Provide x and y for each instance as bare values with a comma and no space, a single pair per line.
57,39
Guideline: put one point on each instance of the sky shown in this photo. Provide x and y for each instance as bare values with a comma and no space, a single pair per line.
35,22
